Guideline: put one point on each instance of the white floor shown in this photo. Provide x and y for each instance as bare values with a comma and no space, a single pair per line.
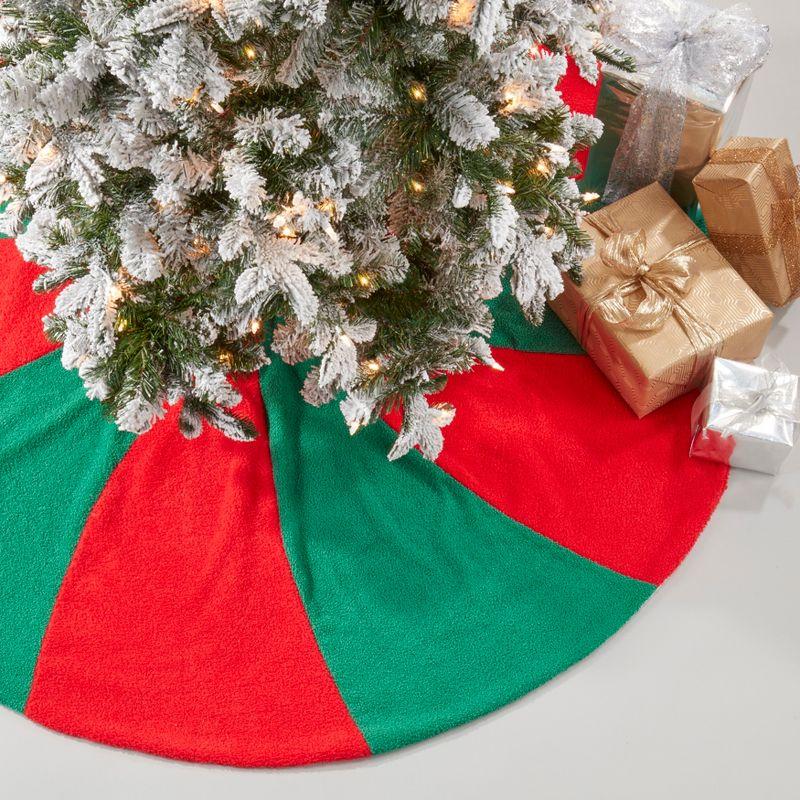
697,698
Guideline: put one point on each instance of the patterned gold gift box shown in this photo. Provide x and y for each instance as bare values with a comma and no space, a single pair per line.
658,301
750,196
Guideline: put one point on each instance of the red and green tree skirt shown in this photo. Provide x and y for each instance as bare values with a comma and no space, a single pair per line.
299,598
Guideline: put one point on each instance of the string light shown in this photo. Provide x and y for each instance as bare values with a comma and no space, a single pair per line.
327,206
121,325
416,186
590,197
225,358
542,167
364,280
216,107
506,187
256,327
372,366
287,232
512,100
250,53
48,152
418,92
201,247
461,12
115,294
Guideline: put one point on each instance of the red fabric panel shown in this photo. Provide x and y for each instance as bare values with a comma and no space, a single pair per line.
580,95
21,311
551,444
179,629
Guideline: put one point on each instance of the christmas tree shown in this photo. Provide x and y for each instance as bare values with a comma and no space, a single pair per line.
211,183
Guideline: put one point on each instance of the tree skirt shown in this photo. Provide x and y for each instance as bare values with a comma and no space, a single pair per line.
300,598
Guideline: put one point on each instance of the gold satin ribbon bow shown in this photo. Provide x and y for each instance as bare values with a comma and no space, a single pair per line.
785,228
662,284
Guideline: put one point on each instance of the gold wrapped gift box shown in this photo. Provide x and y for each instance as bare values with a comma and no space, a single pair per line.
750,197
658,302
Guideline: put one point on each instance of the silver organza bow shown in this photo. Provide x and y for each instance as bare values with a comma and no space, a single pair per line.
681,48
771,392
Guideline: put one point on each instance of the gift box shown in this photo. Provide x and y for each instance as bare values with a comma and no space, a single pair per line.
658,301
747,416
663,122
750,196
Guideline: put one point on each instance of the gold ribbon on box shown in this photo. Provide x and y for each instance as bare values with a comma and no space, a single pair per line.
662,286
785,227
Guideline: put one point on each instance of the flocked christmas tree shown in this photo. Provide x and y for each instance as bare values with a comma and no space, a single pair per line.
210,183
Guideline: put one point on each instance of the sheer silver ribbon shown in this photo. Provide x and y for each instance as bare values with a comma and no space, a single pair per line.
678,45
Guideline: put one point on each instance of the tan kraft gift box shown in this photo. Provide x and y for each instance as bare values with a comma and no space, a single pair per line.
750,196
657,301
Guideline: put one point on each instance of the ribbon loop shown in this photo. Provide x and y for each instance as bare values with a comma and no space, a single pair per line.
679,46
662,285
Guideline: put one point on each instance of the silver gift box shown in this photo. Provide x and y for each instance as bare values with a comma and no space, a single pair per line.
747,416
686,98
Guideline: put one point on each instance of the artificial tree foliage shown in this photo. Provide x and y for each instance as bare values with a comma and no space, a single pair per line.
213,183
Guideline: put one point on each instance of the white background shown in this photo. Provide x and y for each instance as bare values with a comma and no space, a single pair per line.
697,698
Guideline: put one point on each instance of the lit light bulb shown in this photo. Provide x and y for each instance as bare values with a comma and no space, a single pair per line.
115,294
288,232
506,187
256,326
416,186
217,107
48,152
250,53
512,100
364,280
372,366
418,92
542,167
590,197
201,247
461,12
327,206
121,325
225,358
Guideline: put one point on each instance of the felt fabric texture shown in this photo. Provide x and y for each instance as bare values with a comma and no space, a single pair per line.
300,598
430,606
56,454
618,490
178,629
365,605
580,95
21,310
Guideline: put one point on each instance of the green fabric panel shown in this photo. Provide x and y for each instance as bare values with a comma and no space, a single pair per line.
56,454
512,330
430,607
